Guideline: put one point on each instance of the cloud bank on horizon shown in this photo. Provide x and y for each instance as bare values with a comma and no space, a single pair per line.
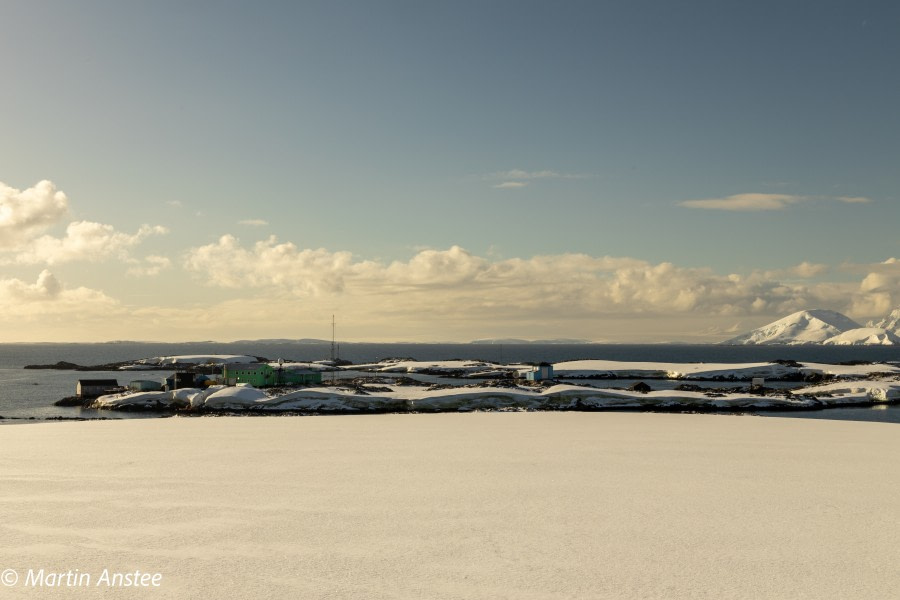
277,287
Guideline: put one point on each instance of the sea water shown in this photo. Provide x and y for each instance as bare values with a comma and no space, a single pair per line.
27,393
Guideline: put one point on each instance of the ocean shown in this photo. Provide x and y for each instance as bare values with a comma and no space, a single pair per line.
30,394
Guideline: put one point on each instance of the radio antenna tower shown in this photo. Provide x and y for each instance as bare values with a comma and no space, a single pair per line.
333,356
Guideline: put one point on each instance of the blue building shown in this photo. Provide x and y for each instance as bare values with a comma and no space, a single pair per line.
540,373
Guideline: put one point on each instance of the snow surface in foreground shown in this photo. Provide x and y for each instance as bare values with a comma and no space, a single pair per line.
479,506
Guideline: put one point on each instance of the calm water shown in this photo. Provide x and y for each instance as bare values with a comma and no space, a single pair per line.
31,393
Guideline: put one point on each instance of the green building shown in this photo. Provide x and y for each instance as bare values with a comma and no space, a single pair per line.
262,375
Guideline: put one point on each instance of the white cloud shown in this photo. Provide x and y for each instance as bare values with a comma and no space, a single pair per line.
253,222
24,213
518,174
84,241
47,296
745,202
753,202
523,174
269,263
804,270
153,265
519,178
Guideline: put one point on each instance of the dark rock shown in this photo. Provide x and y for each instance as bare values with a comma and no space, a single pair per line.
788,363
59,366
69,401
688,387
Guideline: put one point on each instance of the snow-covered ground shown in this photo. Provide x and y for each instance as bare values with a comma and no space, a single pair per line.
397,398
577,506
632,370
637,370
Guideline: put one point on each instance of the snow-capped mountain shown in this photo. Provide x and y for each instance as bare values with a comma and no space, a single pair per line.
824,327
804,327
864,336
890,322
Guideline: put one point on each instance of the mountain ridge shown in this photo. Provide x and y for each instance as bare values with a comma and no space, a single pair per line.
825,327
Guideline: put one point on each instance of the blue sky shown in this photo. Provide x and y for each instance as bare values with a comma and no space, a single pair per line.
721,138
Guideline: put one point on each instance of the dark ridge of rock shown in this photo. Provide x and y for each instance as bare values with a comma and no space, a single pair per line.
69,401
787,363
407,381
688,387
67,366
494,383
60,366
453,373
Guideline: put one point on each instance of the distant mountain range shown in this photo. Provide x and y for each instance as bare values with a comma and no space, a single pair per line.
520,341
823,327
485,341
282,341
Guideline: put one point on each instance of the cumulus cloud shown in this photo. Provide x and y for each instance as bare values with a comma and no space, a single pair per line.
151,266
23,213
745,202
253,222
459,284
510,185
753,202
804,270
84,241
47,296
269,263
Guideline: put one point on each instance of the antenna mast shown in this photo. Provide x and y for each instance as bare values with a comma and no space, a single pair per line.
333,357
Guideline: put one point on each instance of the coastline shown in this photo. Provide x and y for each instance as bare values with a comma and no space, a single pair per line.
482,505
698,384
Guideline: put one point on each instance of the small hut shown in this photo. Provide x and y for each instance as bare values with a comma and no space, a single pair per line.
540,373
641,387
145,385
179,381
92,388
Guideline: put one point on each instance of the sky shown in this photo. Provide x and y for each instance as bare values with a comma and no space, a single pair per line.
617,171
